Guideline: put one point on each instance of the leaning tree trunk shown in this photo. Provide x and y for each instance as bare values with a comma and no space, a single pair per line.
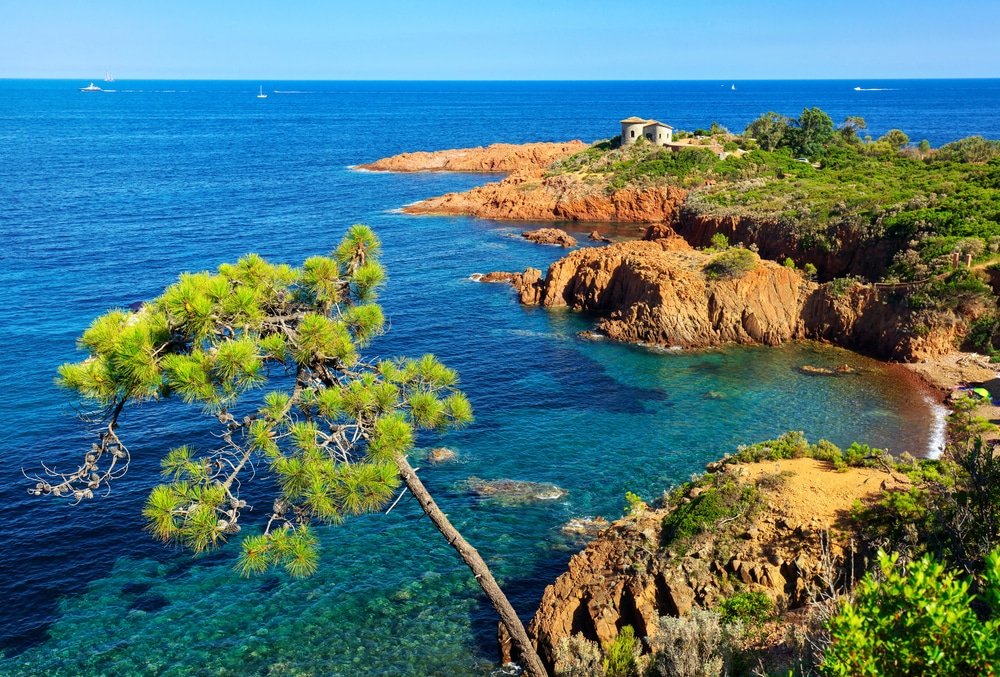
532,663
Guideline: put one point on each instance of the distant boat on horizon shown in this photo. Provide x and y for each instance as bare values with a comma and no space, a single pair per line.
108,78
733,88
262,95
91,88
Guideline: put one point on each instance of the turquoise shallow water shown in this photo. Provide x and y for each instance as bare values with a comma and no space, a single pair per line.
108,198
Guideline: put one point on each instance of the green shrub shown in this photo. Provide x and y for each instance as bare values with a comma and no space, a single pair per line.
810,270
825,450
723,503
621,655
918,621
633,503
719,242
750,608
790,445
789,262
840,285
731,263
858,455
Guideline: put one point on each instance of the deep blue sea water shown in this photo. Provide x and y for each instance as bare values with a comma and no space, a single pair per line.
105,198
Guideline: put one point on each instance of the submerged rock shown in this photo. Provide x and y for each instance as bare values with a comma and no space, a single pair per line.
513,492
440,455
587,527
555,236
817,371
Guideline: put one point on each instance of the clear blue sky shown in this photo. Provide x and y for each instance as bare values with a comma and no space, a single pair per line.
504,39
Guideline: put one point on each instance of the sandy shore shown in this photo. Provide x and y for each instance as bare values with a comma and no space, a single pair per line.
957,369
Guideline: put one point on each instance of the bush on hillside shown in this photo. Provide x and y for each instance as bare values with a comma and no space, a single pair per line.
732,263
919,620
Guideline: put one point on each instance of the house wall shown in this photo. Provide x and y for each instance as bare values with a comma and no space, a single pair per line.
658,134
631,132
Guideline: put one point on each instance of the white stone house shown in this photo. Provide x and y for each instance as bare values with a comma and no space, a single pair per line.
653,131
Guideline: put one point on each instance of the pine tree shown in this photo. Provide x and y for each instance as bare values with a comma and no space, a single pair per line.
333,429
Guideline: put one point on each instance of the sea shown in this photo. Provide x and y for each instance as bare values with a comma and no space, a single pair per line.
106,197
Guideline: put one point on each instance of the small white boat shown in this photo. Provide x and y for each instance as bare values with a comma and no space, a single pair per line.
91,88
733,88
262,95
858,89
108,78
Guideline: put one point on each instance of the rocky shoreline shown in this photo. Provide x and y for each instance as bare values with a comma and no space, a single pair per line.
678,288
786,545
495,158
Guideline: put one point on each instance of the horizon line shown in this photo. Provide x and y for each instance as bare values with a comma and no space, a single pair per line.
704,79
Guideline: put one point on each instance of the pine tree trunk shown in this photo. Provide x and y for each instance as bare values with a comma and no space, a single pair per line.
529,657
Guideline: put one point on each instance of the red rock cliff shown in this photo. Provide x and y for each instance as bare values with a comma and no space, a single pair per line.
657,292
527,196
498,157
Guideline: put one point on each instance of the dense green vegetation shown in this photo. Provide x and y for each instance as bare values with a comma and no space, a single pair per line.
917,620
829,187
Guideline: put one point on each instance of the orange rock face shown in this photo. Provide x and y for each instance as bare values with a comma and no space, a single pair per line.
529,196
630,576
499,157
657,292
554,236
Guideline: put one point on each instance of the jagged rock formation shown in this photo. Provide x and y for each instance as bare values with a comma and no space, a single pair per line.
498,157
657,292
496,276
633,573
553,236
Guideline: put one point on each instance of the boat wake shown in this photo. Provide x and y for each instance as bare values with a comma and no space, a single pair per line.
875,89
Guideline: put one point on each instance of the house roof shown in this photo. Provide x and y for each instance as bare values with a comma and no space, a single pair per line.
636,121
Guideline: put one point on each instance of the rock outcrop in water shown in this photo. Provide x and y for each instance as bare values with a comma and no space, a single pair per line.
513,492
784,545
659,292
553,236
498,157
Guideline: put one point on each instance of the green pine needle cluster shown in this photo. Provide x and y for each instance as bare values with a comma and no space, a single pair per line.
331,425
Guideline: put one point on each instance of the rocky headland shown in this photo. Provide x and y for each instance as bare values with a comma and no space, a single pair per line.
498,157
664,292
784,530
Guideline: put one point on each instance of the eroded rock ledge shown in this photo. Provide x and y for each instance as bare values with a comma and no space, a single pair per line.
498,157
658,292
527,196
786,547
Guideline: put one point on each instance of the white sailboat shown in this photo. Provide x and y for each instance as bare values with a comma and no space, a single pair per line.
108,78
91,88
733,88
262,95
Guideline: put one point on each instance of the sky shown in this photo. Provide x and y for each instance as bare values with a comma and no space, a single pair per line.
500,40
